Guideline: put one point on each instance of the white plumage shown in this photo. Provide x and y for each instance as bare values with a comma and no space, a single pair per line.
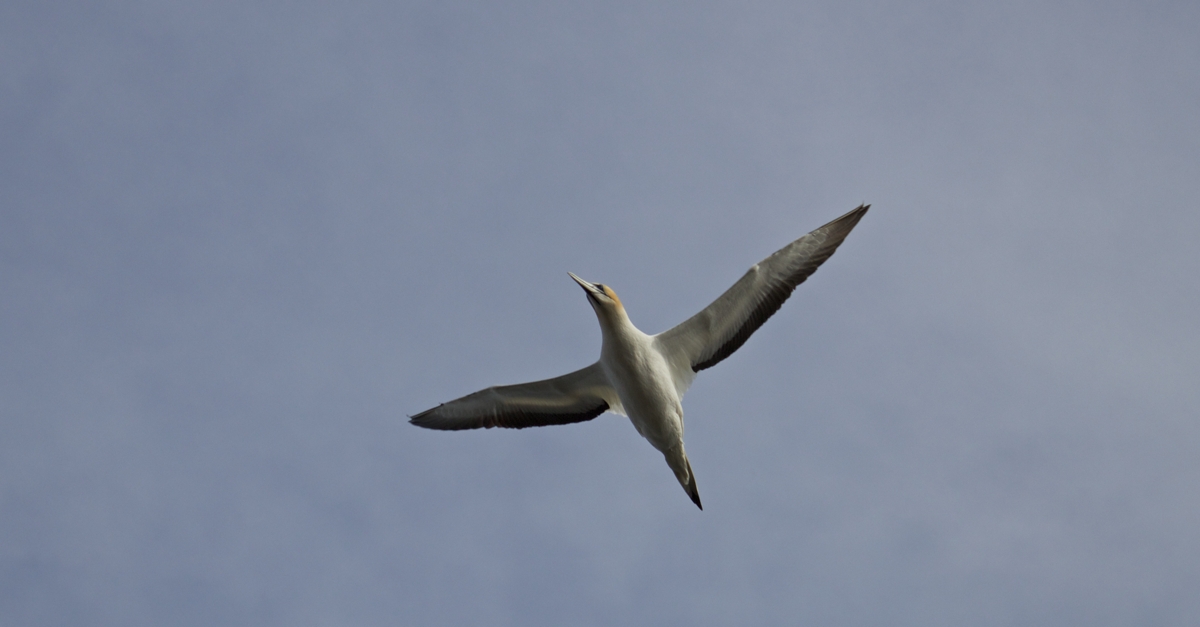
645,376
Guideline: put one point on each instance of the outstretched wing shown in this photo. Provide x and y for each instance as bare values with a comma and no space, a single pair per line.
575,397
721,328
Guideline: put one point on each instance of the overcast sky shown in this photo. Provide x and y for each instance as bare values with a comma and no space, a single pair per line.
240,244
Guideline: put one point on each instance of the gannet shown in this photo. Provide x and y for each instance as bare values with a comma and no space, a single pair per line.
644,376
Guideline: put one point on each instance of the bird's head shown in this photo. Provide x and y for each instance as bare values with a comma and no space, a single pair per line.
602,297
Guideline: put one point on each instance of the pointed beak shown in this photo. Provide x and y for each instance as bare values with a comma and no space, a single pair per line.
587,287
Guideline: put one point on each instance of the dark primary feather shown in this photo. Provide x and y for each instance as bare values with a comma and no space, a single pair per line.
573,397
721,328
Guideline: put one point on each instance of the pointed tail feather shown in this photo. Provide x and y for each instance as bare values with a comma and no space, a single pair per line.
691,485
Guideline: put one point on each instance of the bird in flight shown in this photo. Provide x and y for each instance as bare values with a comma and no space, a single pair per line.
644,376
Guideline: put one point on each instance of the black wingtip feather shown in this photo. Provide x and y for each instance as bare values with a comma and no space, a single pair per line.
847,220
507,420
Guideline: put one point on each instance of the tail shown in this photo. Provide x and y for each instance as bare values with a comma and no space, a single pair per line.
678,461
690,486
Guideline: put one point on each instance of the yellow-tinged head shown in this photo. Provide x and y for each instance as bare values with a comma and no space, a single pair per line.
601,296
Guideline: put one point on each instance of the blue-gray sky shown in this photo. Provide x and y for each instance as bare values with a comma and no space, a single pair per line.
240,243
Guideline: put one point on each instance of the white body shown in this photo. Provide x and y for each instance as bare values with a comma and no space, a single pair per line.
648,386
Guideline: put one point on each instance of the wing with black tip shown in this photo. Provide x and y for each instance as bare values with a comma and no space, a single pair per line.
575,397
721,328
